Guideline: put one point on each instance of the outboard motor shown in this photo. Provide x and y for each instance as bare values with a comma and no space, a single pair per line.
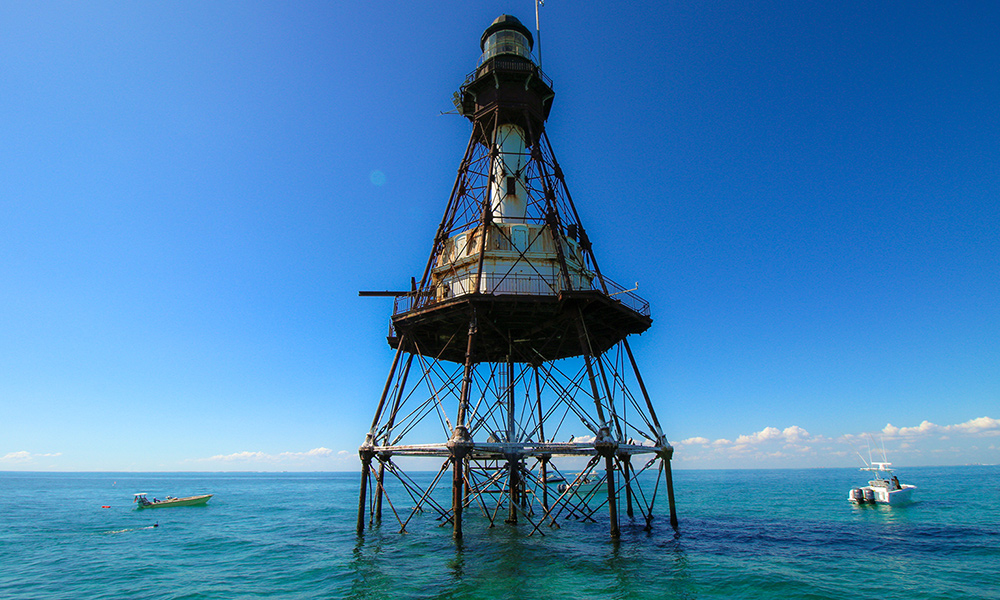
858,496
870,495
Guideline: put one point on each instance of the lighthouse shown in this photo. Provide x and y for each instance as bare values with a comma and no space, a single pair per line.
512,372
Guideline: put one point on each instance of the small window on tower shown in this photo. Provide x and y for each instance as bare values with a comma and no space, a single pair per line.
511,186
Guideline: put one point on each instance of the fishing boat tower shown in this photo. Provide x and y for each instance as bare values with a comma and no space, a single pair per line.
513,378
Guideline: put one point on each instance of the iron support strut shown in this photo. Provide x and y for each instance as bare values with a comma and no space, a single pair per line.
513,460
366,453
607,446
666,455
460,445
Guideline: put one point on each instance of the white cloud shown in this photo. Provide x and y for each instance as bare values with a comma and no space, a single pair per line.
22,456
794,446
768,433
982,426
694,441
788,435
795,434
240,456
321,451
770,444
925,427
263,457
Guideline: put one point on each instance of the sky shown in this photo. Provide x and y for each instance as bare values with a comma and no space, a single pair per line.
193,193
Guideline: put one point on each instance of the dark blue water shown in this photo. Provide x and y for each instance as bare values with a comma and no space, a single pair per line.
743,534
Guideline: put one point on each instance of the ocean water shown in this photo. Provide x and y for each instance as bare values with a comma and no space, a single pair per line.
743,534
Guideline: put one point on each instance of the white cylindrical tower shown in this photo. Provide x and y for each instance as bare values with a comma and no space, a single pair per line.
507,192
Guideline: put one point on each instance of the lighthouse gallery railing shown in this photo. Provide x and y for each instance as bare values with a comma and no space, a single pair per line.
528,285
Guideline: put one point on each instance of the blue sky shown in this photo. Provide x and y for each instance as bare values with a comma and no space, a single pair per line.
192,194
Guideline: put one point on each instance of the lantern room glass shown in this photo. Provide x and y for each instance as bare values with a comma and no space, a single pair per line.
506,41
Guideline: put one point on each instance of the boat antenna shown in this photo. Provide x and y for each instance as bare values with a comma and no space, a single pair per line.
884,457
538,32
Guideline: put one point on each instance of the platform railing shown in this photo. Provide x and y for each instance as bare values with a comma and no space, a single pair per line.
519,285
628,297
500,63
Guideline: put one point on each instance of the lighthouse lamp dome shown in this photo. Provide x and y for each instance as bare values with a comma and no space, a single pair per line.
506,35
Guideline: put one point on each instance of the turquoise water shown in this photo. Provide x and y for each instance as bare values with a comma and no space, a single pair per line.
743,534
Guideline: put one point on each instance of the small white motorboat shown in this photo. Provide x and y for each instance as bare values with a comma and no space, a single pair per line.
883,489
582,485
144,502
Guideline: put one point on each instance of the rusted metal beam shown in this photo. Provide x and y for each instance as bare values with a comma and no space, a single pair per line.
366,465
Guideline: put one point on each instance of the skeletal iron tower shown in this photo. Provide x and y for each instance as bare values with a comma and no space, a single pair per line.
512,365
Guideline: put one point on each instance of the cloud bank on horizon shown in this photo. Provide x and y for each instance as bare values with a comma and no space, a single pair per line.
264,457
971,442
926,442
22,456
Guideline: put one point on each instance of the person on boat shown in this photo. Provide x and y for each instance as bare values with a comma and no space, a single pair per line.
895,483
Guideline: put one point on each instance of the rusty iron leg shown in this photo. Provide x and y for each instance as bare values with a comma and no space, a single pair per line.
460,445
366,467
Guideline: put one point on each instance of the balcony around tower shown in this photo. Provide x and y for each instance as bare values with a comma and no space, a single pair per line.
524,305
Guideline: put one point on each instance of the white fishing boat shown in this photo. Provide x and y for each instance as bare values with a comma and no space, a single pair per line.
883,489
143,502
581,485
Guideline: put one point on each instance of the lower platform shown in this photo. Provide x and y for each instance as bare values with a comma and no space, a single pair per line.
527,328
